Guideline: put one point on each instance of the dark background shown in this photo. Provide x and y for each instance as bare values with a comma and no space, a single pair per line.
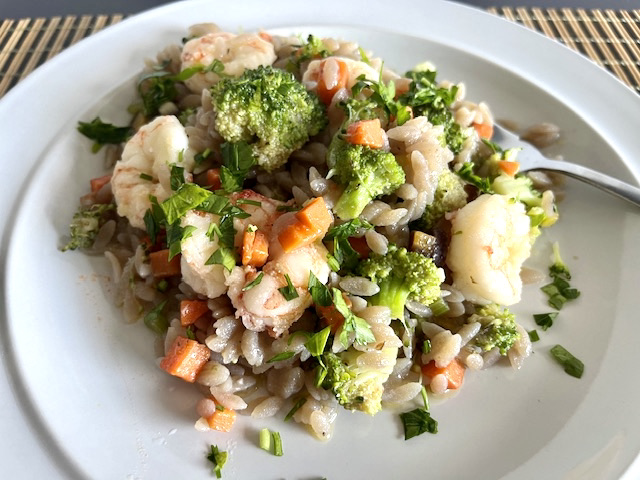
47,8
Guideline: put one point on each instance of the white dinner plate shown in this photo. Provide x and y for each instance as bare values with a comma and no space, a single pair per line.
80,395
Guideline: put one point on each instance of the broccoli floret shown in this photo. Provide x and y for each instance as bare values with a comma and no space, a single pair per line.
450,195
354,386
366,174
269,109
498,328
402,275
85,225
558,268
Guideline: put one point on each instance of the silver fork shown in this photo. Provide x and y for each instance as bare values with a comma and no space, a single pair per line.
531,159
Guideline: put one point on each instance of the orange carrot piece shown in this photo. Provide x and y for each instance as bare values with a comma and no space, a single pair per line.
222,420
331,316
485,130
255,248
185,358
315,214
366,132
312,223
325,93
295,236
360,245
509,167
192,310
213,178
454,372
161,266
99,182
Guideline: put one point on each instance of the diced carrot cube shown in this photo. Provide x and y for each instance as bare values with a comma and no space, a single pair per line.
454,372
161,266
185,358
192,310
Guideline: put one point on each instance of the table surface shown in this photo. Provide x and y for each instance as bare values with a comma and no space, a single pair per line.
40,8
609,37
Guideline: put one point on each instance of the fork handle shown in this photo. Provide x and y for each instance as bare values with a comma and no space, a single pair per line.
597,179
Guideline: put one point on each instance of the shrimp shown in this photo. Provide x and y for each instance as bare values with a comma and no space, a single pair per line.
263,307
236,52
210,280
355,68
145,167
489,243
205,279
417,144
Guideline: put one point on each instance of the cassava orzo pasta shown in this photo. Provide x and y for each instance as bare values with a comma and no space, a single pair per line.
308,230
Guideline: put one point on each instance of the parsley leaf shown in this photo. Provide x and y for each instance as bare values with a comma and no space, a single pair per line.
318,342
237,160
418,421
156,319
281,356
352,323
319,292
347,229
545,320
187,197
222,256
101,132
571,364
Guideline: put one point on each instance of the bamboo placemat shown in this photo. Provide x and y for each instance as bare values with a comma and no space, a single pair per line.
611,38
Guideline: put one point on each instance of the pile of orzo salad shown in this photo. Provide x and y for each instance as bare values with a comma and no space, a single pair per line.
307,230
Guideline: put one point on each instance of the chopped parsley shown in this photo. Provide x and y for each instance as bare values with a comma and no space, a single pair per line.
156,319
352,323
318,342
281,356
253,283
320,294
545,320
571,364
418,421
289,292
466,173
103,133
237,160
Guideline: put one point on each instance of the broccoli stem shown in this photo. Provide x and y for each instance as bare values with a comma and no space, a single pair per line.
353,200
392,294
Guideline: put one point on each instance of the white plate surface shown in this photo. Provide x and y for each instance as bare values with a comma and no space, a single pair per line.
79,392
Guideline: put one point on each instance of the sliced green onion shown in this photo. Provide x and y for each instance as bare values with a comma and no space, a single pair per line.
277,444
246,201
426,346
265,439
533,336
145,176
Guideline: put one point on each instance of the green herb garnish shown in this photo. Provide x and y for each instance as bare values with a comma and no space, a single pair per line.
102,133
218,458
254,282
418,421
545,320
571,364
289,292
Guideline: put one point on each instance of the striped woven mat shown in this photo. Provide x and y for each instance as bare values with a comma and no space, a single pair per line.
611,38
